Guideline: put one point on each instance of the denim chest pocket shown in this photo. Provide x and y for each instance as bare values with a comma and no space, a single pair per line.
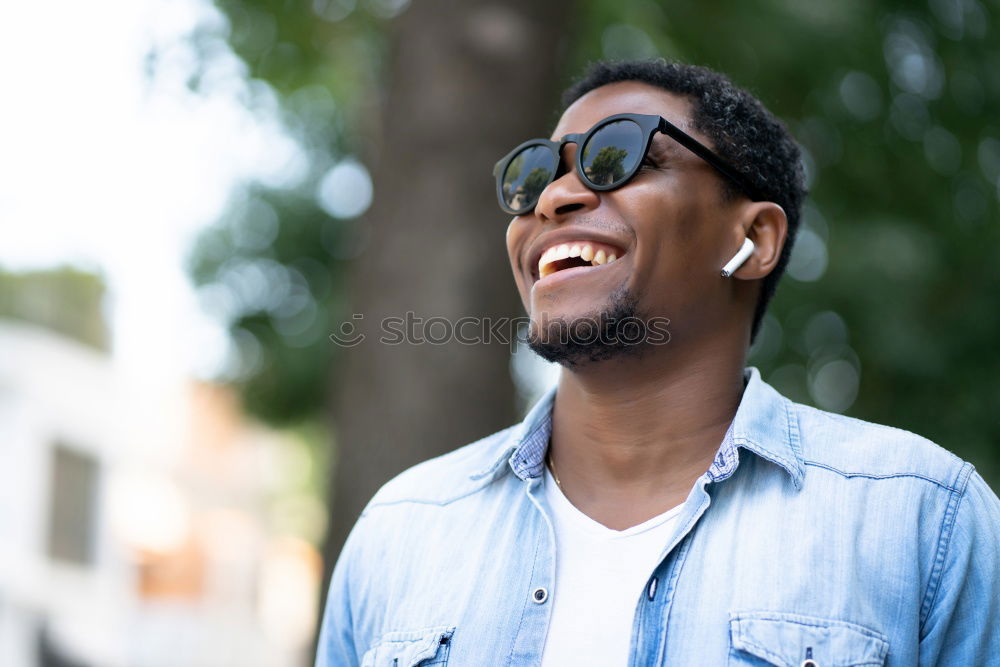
764,638
409,649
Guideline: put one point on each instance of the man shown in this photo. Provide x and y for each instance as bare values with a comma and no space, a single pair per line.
663,505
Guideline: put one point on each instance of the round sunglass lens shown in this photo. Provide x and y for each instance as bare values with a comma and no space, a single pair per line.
612,152
526,176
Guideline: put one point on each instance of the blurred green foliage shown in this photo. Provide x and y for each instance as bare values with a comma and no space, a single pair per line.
66,300
888,311
266,268
274,265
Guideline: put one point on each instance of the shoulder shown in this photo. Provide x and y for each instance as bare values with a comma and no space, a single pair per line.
853,447
449,477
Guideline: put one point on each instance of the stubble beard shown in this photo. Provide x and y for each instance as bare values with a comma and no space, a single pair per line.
592,338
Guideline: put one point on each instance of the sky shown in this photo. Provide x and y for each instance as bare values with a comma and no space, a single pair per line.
109,168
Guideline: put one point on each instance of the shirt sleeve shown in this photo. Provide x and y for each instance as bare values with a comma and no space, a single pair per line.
962,624
336,646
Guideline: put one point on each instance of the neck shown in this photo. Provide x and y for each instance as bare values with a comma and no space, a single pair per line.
631,435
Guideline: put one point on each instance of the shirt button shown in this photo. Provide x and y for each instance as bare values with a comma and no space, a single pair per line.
540,595
651,592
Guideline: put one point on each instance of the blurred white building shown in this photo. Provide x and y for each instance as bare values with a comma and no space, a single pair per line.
143,526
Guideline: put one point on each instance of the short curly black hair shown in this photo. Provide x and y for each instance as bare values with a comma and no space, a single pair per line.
741,130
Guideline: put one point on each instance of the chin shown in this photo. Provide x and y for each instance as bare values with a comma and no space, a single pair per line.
615,331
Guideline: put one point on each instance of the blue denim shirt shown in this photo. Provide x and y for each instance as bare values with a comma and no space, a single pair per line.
810,535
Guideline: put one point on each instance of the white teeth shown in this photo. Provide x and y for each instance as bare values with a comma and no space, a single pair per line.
584,251
543,263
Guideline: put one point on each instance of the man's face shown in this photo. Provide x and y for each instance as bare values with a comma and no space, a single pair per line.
670,224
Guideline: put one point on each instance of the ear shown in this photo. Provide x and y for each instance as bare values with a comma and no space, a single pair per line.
766,224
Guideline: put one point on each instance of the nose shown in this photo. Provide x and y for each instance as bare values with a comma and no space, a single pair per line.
566,193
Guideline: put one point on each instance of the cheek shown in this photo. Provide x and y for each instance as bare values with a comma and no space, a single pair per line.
515,239
678,238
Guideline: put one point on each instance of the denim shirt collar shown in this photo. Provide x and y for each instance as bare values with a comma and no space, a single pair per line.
764,424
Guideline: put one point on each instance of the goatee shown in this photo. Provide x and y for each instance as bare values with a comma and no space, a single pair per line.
615,331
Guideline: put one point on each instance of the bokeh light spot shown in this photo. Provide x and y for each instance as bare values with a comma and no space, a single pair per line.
346,190
809,258
861,95
834,386
943,152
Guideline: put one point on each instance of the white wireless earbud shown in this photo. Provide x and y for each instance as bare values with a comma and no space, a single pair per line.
737,261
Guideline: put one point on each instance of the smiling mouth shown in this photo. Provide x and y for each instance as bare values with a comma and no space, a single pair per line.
575,254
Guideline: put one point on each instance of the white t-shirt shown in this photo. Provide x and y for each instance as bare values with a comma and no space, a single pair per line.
600,574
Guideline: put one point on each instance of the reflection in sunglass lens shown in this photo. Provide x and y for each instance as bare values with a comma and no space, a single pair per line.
527,175
612,152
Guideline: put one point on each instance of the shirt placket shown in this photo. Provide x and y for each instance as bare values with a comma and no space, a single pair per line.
650,629
537,609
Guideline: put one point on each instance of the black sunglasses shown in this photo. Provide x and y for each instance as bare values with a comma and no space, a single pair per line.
609,155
